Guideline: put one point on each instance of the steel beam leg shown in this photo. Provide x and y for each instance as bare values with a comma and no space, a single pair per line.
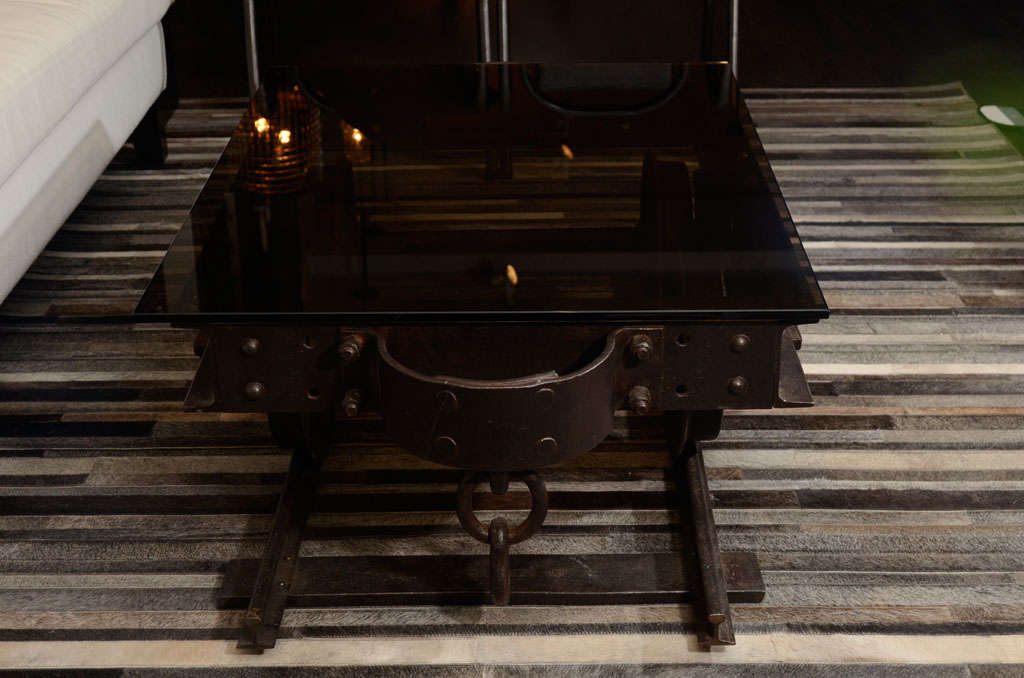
692,482
281,553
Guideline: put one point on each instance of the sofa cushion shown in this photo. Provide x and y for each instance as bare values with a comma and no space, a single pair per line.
51,53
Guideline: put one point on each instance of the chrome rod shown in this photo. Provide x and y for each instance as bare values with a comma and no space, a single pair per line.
503,29
484,17
734,39
251,56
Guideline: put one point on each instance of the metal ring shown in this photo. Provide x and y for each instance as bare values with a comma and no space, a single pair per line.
522,531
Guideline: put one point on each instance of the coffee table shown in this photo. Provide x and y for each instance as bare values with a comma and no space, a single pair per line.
501,261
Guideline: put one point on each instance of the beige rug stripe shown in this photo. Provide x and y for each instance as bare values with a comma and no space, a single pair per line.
529,649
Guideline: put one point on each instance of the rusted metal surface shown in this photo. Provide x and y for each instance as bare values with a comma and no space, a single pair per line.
640,578
498,534
684,434
268,369
696,367
500,401
507,424
273,582
793,389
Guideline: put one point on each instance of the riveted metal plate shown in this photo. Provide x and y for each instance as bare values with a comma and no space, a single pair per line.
296,368
705,363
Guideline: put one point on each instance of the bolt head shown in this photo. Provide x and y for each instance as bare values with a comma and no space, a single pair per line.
251,346
254,390
351,402
642,347
350,349
640,399
738,385
739,343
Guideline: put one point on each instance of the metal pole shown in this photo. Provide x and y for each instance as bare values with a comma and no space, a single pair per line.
503,29
251,56
484,17
734,39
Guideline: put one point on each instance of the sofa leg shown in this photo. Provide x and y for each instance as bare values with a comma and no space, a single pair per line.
150,141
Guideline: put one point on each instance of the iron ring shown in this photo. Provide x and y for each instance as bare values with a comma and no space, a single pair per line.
522,531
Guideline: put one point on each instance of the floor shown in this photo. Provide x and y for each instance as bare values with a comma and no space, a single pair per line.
889,519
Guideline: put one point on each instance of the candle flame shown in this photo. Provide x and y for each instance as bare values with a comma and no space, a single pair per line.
510,273
567,152
357,136
285,136
262,125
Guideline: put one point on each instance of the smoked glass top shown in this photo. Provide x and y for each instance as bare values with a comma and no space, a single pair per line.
499,192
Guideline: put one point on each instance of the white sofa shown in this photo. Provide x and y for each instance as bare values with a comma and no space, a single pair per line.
76,77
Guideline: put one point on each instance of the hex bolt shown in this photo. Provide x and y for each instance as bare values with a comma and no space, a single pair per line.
738,385
640,399
351,402
251,346
642,347
739,343
254,390
351,348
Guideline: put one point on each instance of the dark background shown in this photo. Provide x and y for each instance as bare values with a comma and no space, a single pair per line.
784,43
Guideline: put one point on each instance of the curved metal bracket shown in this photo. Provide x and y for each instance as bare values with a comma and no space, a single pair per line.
504,425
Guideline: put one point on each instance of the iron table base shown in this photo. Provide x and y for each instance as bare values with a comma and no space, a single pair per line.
699,574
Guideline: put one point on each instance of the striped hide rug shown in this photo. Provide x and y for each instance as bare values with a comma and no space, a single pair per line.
888,519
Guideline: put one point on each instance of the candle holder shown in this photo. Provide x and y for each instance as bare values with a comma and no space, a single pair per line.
282,133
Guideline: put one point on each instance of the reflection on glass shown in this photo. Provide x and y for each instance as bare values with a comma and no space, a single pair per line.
357,148
282,134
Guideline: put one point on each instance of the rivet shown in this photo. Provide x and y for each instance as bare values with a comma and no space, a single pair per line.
546,445
251,346
642,347
254,390
447,402
640,399
738,385
739,343
545,398
445,445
